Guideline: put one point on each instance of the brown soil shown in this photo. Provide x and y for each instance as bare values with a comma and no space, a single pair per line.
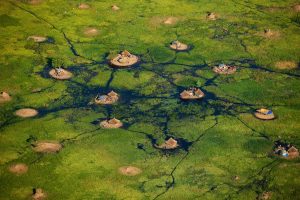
263,116
84,6
4,97
26,112
115,7
265,196
63,75
178,46
124,59
112,123
286,65
36,38
39,194
297,8
47,147
129,170
34,2
91,32
270,34
18,169
170,20
211,16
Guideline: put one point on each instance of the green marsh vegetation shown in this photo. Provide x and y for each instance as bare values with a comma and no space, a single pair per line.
220,138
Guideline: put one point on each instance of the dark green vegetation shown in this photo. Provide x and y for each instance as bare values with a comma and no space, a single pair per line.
219,136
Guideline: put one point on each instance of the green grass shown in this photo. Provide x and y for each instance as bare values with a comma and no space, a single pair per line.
225,138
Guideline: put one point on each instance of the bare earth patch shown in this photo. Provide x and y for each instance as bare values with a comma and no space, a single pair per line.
170,20
115,8
84,6
47,147
34,2
18,168
297,8
38,194
286,65
37,38
129,170
91,32
26,112
4,97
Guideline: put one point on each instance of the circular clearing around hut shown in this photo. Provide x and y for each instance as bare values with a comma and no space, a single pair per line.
26,112
286,65
124,59
61,75
47,147
129,170
18,169
91,32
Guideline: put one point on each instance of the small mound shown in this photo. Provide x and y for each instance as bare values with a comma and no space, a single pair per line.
211,16
115,7
110,98
60,74
297,8
84,6
129,170
4,97
112,123
170,20
178,46
286,65
91,32
190,94
18,169
47,147
124,59
26,112
264,114
38,194
37,39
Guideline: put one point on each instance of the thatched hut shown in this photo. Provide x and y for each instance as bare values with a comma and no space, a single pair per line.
115,8
110,98
224,69
112,123
293,152
190,94
211,16
169,144
178,46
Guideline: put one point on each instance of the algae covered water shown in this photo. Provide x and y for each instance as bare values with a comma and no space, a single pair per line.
203,92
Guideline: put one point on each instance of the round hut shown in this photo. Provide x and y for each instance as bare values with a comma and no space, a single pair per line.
124,59
293,152
38,194
60,73
37,39
109,98
224,69
178,46
112,123
129,170
115,8
26,112
211,16
191,94
264,114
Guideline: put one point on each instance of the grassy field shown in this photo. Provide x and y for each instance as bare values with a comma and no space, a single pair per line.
219,136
